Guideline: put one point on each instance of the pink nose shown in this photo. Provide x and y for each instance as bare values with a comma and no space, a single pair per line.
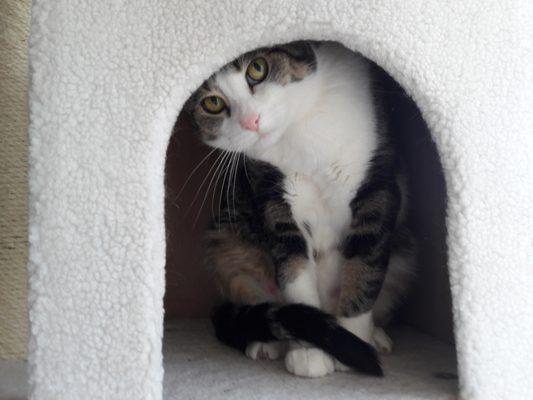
251,122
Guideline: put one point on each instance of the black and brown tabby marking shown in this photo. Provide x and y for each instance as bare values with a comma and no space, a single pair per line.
254,236
367,248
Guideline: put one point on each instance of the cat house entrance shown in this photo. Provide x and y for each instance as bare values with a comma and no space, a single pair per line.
422,364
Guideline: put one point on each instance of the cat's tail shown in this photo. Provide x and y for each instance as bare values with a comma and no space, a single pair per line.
239,325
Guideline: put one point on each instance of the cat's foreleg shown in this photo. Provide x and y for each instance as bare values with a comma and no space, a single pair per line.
298,283
366,253
295,270
296,276
359,287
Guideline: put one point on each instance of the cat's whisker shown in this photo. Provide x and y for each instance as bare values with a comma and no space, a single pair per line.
232,183
235,180
245,169
221,194
193,172
219,164
218,170
216,185
202,184
223,184
229,185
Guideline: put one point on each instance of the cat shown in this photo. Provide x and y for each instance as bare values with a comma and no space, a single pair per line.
311,244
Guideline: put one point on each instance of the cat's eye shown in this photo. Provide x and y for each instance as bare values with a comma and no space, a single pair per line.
257,71
213,104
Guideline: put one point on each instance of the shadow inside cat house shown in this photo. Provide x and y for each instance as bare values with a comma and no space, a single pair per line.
422,328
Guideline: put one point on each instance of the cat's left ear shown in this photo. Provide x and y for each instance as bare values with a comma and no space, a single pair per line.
302,57
300,50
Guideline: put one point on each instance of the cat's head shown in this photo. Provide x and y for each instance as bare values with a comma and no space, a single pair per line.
249,103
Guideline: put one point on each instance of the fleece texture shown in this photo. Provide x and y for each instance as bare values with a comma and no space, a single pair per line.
198,368
108,80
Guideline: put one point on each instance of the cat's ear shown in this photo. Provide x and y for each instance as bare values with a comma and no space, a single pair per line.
190,104
301,56
300,51
188,109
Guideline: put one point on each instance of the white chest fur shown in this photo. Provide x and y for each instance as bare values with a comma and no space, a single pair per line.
326,150
320,203
325,155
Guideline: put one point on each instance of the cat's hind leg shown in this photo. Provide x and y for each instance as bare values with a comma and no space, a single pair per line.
400,273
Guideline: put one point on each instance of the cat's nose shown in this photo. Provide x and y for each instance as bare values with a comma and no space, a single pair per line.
250,122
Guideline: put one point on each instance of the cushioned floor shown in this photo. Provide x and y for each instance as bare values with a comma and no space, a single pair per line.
197,367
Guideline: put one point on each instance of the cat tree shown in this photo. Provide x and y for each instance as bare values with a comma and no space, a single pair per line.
107,83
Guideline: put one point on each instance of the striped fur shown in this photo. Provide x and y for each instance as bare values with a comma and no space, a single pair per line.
315,202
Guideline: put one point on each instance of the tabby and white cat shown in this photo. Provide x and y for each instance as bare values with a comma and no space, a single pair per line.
310,244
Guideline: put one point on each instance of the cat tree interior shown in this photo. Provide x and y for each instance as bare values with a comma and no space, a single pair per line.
423,331
108,80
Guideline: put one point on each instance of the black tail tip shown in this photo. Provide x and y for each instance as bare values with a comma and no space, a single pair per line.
369,363
363,359
373,368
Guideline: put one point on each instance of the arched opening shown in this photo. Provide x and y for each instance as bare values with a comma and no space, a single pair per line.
423,363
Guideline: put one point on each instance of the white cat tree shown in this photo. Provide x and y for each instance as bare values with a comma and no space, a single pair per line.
108,80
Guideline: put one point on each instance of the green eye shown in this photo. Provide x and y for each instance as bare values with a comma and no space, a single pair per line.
213,104
257,71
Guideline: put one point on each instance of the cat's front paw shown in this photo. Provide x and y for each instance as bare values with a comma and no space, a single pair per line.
309,362
340,367
381,341
265,351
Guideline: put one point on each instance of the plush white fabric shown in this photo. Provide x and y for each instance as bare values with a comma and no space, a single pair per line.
197,367
108,80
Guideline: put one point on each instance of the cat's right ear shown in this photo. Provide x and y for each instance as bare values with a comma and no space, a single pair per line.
188,109
190,104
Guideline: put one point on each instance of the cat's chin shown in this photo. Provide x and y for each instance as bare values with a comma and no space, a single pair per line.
267,140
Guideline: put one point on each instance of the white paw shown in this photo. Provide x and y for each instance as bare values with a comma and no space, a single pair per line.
309,362
341,367
381,341
264,351
361,326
